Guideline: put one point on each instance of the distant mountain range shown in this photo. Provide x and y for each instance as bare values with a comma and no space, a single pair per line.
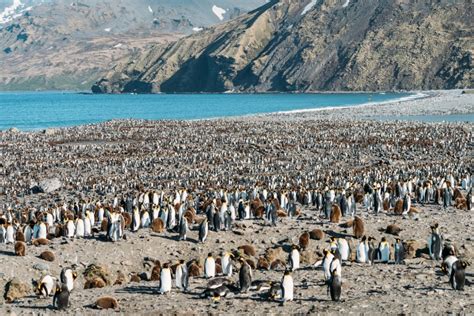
311,45
58,44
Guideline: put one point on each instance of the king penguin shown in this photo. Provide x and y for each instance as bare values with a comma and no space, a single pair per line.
61,297
245,276
227,264
294,258
458,275
182,276
334,285
165,279
67,277
203,230
384,251
435,243
362,252
287,287
210,266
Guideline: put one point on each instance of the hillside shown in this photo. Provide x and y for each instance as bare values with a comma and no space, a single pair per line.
59,44
313,45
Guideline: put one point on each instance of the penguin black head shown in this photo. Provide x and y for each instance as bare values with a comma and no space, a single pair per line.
181,261
384,239
209,254
364,238
287,272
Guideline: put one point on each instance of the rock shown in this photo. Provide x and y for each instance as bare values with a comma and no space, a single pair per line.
49,131
41,266
15,289
94,273
47,186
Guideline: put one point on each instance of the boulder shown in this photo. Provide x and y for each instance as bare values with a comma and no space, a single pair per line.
47,186
15,289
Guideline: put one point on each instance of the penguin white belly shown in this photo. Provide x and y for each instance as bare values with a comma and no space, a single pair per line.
49,283
361,253
145,220
100,216
69,280
327,266
10,235
49,219
165,279
70,228
87,227
343,247
210,268
28,232
336,265
384,254
247,212
295,259
79,228
42,232
179,277
287,285
448,262
226,266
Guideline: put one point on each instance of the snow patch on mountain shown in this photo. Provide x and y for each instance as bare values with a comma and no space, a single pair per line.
11,12
219,12
309,6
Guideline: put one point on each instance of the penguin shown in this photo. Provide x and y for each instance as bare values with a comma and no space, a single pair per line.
183,228
27,232
227,264
334,285
46,286
61,297
383,253
20,248
245,276
362,253
203,230
3,233
80,231
328,258
294,258
67,277
10,234
287,287
447,265
399,251
406,204
458,275
182,276
135,220
372,252
209,267
344,249
165,279
216,220
435,243
70,229
145,220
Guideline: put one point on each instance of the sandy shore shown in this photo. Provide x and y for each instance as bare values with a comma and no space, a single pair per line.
279,152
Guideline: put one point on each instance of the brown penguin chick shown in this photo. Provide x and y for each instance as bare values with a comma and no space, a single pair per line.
358,227
263,264
218,268
190,216
347,224
94,283
259,211
134,277
273,253
277,264
20,248
47,255
386,204
40,242
316,234
59,231
127,219
155,273
392,229
249,250
460,204
193,269
281,213
398,207
304,240
20,236
457,194
157,226
121,278
106,302
335,214
104,224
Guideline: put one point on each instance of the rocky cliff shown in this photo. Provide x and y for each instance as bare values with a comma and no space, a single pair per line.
312,45
64,44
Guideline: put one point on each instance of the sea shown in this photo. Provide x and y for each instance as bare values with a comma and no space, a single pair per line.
41,110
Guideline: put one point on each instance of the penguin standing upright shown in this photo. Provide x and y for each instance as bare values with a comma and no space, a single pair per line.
446,198
362,253
372,251
384,251
67,277
399,251
183,228
406,204
458,275
245,276
165,279
287,287
135,220
46,286
61,297
227,264
182,276
210,266
294,258
328,258
203,230
344,249
335,285
435,243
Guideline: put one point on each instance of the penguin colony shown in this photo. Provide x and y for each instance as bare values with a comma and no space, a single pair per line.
192,181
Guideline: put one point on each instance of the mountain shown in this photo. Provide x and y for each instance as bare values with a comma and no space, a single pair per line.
313,45
59,44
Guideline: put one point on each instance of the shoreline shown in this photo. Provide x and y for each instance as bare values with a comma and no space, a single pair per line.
420,103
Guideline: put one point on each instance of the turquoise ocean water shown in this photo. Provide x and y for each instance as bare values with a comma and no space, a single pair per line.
38,110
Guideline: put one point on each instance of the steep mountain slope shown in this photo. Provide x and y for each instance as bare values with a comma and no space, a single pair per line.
64,44
312,45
